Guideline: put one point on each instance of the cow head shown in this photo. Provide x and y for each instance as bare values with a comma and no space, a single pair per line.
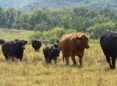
24,42
36,42
20,44
2,41
84,40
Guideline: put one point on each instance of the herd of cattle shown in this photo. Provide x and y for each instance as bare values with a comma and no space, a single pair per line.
15,49
71,45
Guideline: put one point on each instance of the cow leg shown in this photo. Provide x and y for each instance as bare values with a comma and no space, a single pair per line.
80,58
80,61
113,63
6,57
50,60
20,59
66,57
12,58
74,60
109,61
36,49
55,61
67,60
63,58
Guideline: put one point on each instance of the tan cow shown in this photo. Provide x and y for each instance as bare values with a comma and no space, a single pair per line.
73,45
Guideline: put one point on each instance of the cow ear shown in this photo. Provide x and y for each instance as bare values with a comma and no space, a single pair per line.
83,37
78,39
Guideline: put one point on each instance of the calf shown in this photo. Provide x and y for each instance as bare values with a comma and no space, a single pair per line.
51,53
36,44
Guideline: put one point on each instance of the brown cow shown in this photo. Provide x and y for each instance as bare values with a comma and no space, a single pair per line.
73,45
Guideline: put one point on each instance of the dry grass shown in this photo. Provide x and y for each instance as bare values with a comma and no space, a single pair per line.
33,71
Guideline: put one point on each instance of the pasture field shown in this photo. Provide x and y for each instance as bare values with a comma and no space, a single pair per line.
15,34
33,71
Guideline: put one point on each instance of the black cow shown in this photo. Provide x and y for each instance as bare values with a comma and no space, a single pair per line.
51,53
108,42
13,49
36,44
2,41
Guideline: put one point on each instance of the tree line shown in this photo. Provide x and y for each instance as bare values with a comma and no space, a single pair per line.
79,19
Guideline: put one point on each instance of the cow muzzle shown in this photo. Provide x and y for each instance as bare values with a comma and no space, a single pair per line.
23,47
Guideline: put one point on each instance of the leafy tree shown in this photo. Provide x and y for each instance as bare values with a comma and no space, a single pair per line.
97,30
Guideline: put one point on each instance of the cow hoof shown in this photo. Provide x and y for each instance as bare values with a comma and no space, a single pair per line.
112,68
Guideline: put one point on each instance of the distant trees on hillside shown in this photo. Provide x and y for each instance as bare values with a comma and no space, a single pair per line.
79,19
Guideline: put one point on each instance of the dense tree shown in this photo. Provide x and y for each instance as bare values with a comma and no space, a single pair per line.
79,19
97,30
52,35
